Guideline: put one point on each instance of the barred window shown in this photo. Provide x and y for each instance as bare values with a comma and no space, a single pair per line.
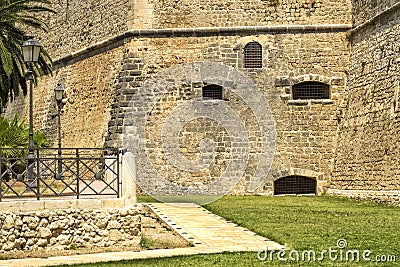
295,185
310,90
212,91
253,56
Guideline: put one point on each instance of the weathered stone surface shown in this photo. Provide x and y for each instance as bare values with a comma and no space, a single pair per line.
31,222
350,138
42,242
113,224
66,227
44,232
368,154
8,222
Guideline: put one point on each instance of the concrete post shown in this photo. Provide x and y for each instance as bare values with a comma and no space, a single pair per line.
128,176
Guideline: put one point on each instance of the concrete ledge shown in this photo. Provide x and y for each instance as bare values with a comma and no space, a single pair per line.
304,102
391,197
22,205
364,192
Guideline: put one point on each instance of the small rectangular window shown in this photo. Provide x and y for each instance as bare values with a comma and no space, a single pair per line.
310,90
212,92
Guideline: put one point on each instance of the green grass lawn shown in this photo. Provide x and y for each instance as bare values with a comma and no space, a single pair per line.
301,223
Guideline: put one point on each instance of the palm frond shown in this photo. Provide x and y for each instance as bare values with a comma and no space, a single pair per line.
15,16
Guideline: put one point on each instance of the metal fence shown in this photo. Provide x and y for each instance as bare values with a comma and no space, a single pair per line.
74,172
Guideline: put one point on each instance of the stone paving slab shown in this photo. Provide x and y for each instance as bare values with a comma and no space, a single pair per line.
208,232
205,229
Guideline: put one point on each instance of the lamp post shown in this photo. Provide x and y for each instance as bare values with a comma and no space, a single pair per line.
31,51
59,94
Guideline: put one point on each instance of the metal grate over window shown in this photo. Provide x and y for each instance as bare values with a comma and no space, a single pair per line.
310,90
212,91
295,185
253,55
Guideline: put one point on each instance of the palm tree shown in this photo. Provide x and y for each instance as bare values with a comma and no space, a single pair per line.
15,17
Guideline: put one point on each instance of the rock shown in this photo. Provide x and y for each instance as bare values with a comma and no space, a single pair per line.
30,242
124,212
11,238
103,233
53,241
113,225
115,235
44,232
18,223
9,246
42,242
64,239
9,222
102,224
30,234
31,222
60,224
43,214
96,239
44,223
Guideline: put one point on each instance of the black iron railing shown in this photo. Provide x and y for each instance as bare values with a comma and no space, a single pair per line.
77,172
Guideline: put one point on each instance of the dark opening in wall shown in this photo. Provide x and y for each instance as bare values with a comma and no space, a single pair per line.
310,90
212,91
295,185
253,56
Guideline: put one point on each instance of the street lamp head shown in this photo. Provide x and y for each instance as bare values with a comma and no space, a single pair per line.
59,93
31,50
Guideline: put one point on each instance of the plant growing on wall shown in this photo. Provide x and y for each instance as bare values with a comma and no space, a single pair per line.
15,17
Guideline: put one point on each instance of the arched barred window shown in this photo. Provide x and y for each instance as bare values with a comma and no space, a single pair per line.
253,56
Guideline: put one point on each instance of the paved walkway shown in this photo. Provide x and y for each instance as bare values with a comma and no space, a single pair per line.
208,232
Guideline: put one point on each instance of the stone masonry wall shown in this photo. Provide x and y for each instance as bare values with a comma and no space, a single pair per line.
211,13
78,24
101,85
65,229
364,10
89,91
368,156
305,131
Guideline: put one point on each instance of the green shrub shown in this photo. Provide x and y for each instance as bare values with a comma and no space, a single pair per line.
14,134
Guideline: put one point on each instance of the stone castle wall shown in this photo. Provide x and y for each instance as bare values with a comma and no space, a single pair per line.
346,142
305,130
364,10
368,136
78,24
211,13
89,92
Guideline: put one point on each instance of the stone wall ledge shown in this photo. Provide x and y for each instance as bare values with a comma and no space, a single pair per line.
374,19
304,102
390,197
200,31
364,192
24,205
